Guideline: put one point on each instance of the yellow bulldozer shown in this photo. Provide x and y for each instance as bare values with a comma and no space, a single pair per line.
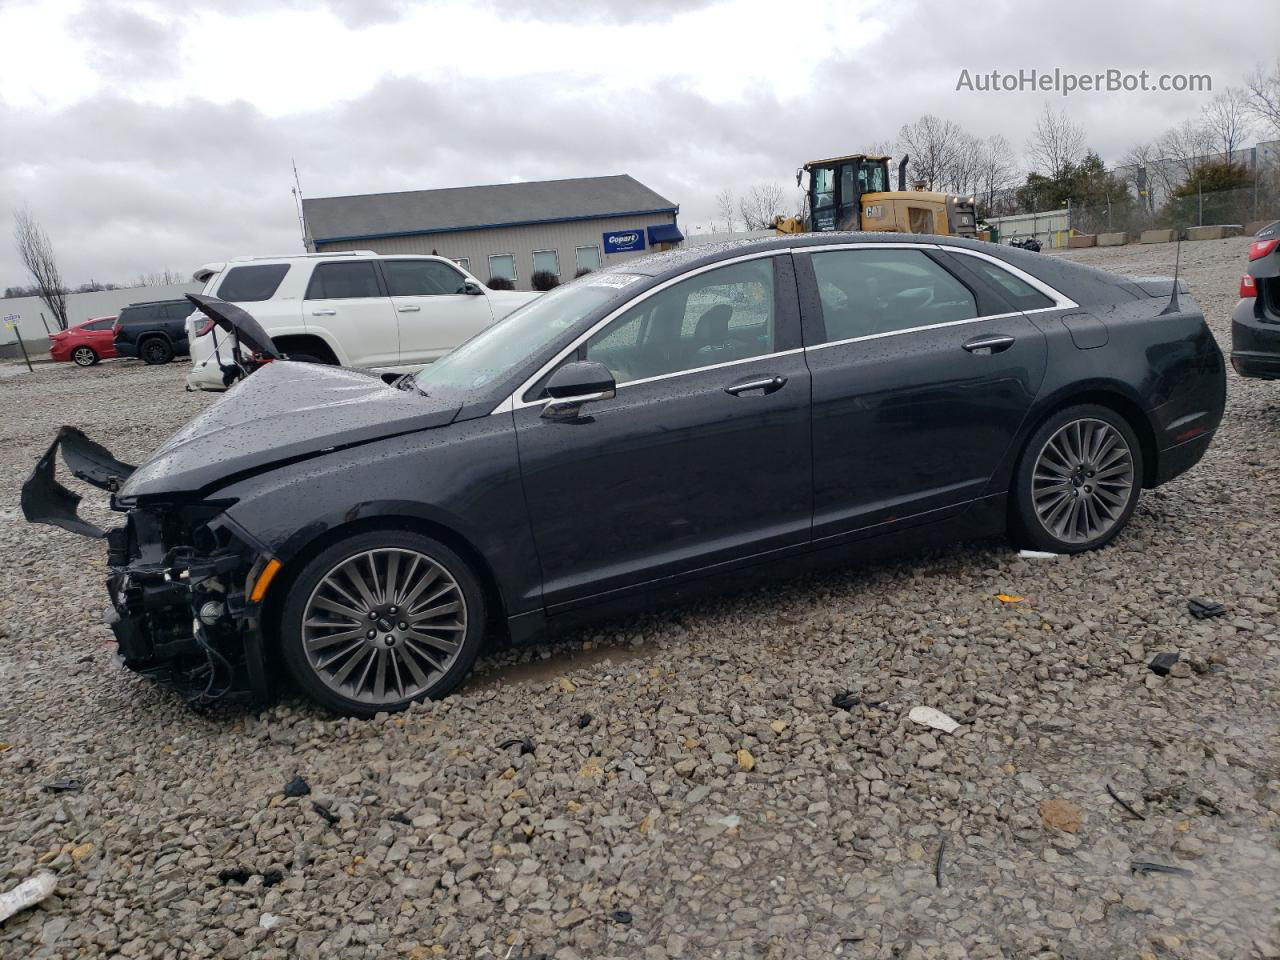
852,193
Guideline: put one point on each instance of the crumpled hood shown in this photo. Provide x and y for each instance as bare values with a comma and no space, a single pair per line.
282,412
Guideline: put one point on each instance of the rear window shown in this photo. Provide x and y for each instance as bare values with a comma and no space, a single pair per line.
145,313
252,283
343,281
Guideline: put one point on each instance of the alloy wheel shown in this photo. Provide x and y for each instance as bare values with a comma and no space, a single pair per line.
1083,480
84,356
383,626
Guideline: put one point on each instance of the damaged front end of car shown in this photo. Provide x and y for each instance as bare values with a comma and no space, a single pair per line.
185,582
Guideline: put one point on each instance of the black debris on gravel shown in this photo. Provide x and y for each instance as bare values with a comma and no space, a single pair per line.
297,787
1162,663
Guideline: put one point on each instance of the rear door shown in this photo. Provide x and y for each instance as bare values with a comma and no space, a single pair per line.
434,312
921,380
346,302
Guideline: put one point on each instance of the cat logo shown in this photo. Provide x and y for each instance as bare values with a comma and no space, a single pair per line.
873,212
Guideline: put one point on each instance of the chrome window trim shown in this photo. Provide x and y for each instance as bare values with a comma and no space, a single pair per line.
1061,302
513,402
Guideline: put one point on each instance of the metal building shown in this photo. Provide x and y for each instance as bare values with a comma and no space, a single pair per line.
508,230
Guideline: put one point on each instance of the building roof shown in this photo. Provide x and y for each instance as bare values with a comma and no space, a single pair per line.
374,215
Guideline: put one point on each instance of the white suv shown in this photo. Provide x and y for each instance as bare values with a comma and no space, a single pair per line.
355,309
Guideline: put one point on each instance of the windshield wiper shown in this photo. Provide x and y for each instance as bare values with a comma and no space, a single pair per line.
407,381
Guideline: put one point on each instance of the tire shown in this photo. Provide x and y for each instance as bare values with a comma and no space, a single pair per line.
404,661
1078,481
84,356
155,350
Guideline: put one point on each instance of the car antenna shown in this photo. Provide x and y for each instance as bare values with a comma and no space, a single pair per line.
1173,306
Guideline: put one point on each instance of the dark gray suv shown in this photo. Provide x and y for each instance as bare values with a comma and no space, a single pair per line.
153,332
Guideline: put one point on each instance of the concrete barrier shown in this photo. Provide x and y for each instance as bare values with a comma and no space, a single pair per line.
1158,236
1218,231
1112,239
1253,226
1082,240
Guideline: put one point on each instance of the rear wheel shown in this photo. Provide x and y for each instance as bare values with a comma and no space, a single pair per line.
380,620
155,350
1078,480
84,356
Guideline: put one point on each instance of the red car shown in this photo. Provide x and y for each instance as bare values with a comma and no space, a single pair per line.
85,343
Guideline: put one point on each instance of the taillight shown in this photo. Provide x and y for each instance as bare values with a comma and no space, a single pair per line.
115,329
206,327
1260,248
1248,288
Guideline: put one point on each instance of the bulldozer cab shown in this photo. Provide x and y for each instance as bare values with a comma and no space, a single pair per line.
836,187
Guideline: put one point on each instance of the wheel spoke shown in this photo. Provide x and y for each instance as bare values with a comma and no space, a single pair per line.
356,597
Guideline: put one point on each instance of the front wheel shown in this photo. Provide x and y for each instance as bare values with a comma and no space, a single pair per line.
381,620
1078,480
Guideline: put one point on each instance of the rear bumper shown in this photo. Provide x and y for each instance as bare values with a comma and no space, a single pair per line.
1255,343
61,352
1177,460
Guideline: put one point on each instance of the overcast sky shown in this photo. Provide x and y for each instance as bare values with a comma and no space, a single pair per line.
150,135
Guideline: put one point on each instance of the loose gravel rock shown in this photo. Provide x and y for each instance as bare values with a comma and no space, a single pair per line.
716,803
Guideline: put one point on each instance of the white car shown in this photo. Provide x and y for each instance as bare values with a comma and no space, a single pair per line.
354,309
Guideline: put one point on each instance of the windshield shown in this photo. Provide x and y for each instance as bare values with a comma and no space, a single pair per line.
492,353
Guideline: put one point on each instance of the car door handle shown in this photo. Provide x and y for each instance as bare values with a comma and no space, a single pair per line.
324,313
989,345
767,384
409,308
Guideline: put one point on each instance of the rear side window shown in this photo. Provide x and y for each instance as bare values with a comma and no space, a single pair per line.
343,281
252,283
867,293
1016,290
178,311
99,325
421,278
146,313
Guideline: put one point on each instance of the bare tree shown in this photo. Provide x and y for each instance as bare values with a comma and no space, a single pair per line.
1056,144
761,205
1262,92
1227,120
162,278
1140,167
933,145
37,254
995,171
1183,148
725,207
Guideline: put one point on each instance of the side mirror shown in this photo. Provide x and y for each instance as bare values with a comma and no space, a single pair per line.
575,384
472,288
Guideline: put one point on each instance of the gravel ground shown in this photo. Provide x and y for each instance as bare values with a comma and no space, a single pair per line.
693,791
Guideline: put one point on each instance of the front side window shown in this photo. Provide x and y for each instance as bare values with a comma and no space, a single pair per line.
546,261
720,316
870,292
502,266
421,278
252,283
586,258
343,281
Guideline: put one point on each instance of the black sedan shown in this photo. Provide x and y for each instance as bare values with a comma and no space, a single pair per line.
1255,324
714,410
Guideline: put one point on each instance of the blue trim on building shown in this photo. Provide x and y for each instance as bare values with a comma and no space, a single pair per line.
493,226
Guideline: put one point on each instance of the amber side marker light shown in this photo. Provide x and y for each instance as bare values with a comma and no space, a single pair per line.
264,580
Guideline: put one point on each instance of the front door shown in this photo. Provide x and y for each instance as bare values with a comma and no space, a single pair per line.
703,455
434,313
345,304
916,396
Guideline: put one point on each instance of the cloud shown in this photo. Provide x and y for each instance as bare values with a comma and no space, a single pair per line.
125,186
127,44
